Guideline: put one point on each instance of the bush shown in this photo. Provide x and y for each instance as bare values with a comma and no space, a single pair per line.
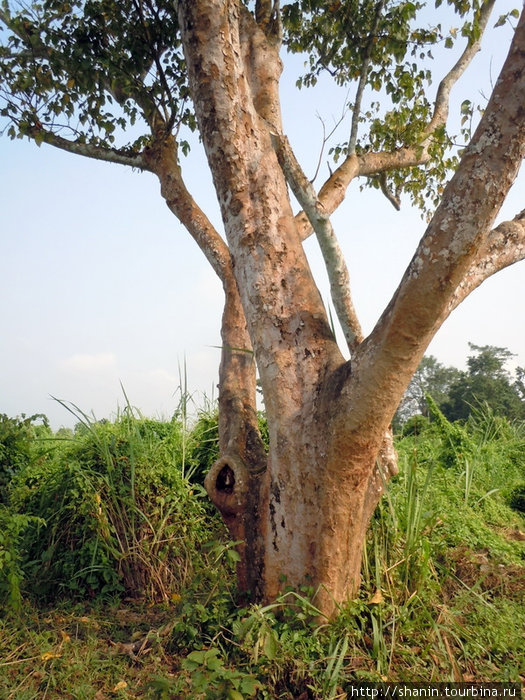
12,526
516,498
17,443
119,516
415,425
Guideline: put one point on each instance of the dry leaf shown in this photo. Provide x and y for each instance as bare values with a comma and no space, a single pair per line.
46,656
120,686
377,598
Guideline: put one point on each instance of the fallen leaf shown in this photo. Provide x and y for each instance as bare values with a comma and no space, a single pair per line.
120,686
65,636
377,598
47,655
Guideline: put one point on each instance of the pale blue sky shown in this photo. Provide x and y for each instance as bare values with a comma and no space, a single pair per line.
99,283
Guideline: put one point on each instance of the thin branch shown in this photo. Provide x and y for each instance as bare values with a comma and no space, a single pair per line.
110,155
392,197
373,163
441,105
156,58
332,254
363,78
326,138
334,189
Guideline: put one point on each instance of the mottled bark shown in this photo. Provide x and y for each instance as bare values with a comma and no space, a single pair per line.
314,502
330,449
233,481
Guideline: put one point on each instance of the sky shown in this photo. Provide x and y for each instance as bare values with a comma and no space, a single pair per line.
101,287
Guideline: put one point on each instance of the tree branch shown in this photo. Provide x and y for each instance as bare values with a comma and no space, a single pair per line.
456,245
161,158
504,246
374,163
331,194
441,105
268,17
263,12
332,254
111,155
362,79
334,189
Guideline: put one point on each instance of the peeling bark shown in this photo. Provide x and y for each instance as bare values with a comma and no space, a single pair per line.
234,481
331,451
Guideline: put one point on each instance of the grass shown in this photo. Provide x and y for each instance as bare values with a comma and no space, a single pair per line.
441,600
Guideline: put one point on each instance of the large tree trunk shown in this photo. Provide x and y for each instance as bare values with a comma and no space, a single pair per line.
303,519
314,502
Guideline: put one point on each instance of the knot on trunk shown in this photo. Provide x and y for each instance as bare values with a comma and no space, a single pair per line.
227,484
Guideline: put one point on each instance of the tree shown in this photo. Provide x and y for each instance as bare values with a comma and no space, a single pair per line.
486,382
431,377
76,75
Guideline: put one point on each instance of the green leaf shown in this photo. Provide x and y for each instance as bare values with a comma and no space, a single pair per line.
235,695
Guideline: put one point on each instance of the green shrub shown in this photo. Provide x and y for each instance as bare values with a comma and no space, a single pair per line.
119,516
12,526
203,445
516,498
17,447
415,425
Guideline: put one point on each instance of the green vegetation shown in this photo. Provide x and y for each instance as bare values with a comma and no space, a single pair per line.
117,580
486,383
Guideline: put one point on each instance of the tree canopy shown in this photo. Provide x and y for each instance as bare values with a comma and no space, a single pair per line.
104,78
487,381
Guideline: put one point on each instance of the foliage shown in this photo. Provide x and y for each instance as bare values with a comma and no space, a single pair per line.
517,498
87,70
204,445
17,447
431,377
110,75
460,394
486,382
387,47
119,516
443,576
12,526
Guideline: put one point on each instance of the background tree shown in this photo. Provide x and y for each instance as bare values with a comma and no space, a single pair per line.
431,377
486,382
122,81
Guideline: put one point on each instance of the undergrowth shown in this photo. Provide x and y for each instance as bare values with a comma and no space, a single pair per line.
117,580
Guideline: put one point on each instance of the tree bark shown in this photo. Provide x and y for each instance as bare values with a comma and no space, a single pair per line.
330,450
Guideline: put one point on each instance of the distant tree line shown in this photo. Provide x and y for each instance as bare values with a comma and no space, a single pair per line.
485,382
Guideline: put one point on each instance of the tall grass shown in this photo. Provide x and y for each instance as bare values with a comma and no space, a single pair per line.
443,574
120,514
